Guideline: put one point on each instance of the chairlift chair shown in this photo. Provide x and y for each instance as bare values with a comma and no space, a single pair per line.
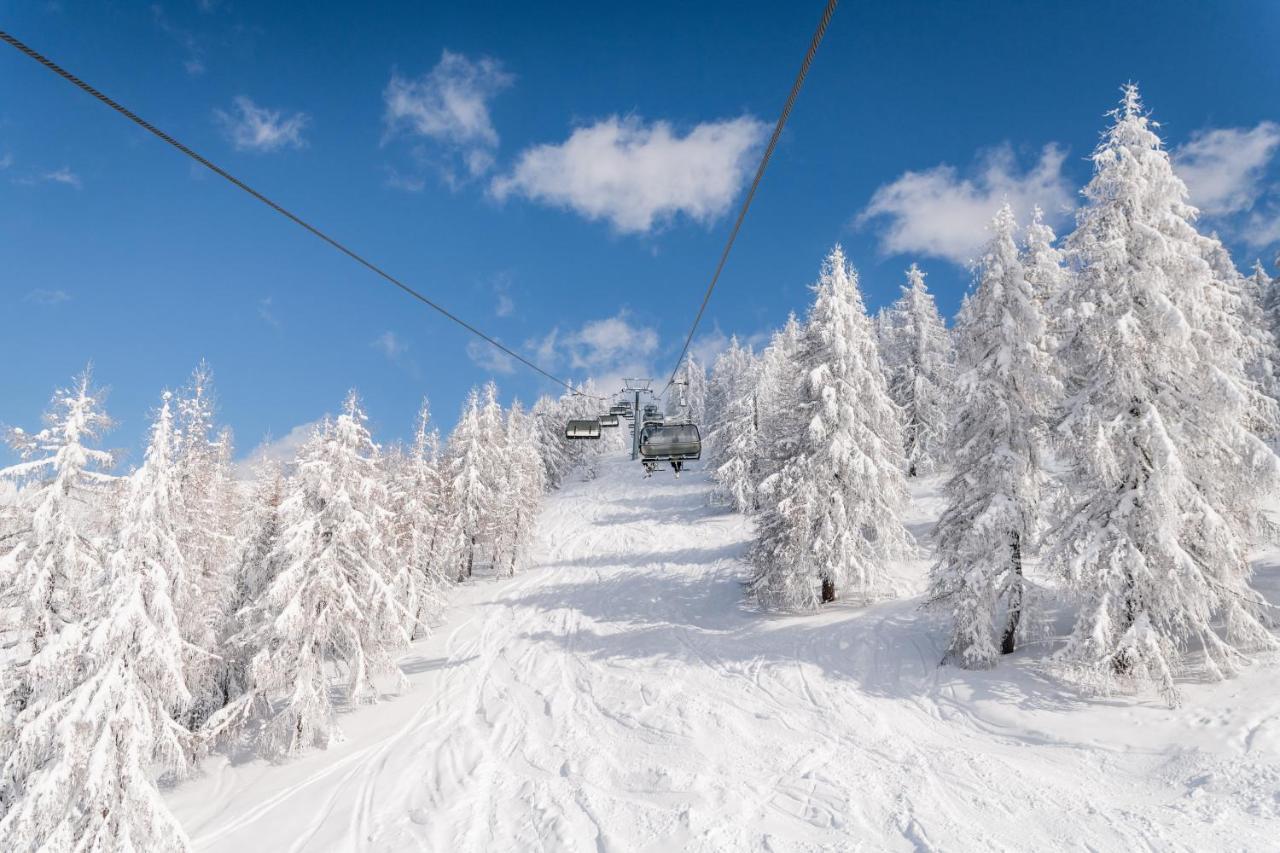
580,429
608,420
674,443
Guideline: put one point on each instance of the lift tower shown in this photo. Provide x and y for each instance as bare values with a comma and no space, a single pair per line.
634,388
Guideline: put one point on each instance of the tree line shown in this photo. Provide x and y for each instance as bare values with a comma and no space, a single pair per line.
1103,405
152,616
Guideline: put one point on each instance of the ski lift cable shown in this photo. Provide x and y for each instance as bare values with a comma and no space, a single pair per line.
746,203
222,173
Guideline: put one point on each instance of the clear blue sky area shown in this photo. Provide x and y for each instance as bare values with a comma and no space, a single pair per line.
411,132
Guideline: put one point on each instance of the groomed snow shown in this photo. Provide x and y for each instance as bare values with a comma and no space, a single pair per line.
622,695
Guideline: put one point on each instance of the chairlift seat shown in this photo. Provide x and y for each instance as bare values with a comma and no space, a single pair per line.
579,429
669,442
608,420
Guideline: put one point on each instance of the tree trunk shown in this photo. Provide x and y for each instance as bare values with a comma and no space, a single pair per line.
1009,641
828,590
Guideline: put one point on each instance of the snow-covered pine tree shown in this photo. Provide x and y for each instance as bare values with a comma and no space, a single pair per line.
207,511
1003,395
472,469
101,718
526,484
1267,290
331,606
919,356
1167,477
832,515
692,380
737,440
778,401
553,449
732,378
424,510
55,563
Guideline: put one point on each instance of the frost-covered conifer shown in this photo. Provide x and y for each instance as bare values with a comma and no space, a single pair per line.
55,563
424,510
330,607
474,476
778,399
553,448
1167,477
526,484
105,694
732,379
692,380
1003,395
917,350
831,517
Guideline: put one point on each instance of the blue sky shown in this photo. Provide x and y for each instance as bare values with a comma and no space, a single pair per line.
563,175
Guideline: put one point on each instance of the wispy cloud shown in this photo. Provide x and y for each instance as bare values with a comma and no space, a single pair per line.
390,345
940,213
40,296
504,302
283,449
604,350
639,176
252,128
6,160
490,358
267,314
449,107
193,63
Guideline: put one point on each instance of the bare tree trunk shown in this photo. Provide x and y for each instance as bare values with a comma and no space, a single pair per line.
1009,641
828,590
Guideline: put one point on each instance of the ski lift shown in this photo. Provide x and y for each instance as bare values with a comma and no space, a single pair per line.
650,409
608,420
578,429
654,420
623,409
674,443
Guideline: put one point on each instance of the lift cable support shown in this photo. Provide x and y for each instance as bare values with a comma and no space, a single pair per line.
764,161
297,220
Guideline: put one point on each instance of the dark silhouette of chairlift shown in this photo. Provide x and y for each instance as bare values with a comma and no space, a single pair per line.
588,428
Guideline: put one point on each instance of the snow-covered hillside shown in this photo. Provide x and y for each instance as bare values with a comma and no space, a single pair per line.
621,694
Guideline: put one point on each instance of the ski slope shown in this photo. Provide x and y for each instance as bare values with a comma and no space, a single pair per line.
621,694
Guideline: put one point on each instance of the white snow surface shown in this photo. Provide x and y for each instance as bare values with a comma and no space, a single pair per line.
622,694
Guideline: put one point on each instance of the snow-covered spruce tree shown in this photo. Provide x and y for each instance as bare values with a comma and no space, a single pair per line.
1268,290
1003,395
106,694
778,401
55,562
919,357
526,484
207,510
473,470
831,517
549,425
693,390
257,536
1168,478
330,607
1046,272
733,378
424,510
737,441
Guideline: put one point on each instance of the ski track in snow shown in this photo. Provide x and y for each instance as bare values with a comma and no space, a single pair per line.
621,694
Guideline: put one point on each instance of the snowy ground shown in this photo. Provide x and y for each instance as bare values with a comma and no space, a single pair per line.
620,695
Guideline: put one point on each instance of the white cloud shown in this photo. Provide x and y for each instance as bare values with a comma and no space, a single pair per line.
253,128
937,212
48,297
390,345
638,176
506,305
1223,167
1261,230
6,160
282,449
449,105
266,312
60,176
490,358
605,351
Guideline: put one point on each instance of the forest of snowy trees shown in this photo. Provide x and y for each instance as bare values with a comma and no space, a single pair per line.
1102,411
154,615
1104,407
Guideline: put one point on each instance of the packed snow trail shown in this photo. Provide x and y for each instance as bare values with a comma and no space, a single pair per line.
621,694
